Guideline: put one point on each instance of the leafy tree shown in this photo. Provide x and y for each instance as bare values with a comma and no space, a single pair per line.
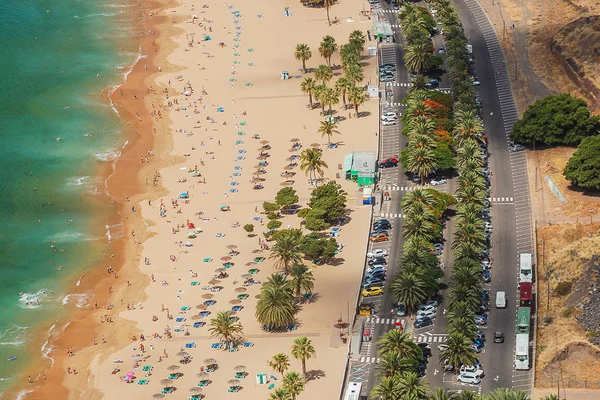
302,350
249,228
286,197
270,207
393,363
409,288
314,220
330,198
312,164
286,250
302,280
225,328
280,393
356,96
458,352
554,120
280,362
273,224
342,85
327,48
323,73
387,388
328,129
400,342
583,168
294,383
411,386
275,307
316,247
308,86
302,53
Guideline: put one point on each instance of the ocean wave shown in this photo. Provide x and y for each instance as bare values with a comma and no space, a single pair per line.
33,300
109,155
81,300
23,393
67,236
115,231
14,336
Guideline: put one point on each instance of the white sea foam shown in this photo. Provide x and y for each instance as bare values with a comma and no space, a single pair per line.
109,155
114,231
14,336
67,236
23,393
81,300
33,300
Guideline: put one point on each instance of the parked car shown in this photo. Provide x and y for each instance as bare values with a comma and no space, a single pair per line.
426,314
375,269
517,147
372,291
380,275
388,122
479,320
476,348
371,282
426,349
389,114
433,303
386,78
471,379
424,308
382,224
498,337
480,335
388,164
377,261
377,253
473,370
423,322
442,50
487,275
437,182
401,310
387,67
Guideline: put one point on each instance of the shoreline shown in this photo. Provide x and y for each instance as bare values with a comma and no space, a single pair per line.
82,324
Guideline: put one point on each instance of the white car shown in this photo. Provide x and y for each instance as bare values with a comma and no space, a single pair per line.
469,378
517,147
426,308
377,253
387,122
442,347
435,182
473,370
438,246
386,78
388,115
426,314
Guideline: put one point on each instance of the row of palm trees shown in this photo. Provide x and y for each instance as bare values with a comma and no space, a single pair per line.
469,241
293,383
345,86
417,24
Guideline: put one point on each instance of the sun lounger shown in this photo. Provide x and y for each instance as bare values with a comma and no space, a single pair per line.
190,345
241,151
248,344
237,167
259,259
228,265
194,283
240,375
216,345
253,271
243,123
204,313
147,368
203,383
271,386
180,319
292,327
234,183
243,296
168,390
195,397
241,133
178,328
207,259
273,377
233,190
237,308
233,350
199,324
143,381
210,302
174,375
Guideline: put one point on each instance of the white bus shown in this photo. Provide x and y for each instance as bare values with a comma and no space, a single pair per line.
522,352
525,268
353,391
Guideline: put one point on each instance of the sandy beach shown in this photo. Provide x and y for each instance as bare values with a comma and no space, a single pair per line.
213,97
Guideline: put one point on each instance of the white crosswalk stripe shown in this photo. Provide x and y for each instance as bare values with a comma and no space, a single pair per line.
382,11
369,359
385,321
391,215
503,199
402,84
394,104
430,339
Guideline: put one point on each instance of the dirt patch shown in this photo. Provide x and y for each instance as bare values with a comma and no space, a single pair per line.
566,254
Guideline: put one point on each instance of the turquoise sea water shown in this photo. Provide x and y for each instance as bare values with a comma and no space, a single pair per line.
56,56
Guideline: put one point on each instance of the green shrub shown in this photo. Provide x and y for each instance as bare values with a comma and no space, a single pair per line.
563,288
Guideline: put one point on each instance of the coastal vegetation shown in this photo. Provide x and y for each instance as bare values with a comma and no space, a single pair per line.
583,168
303,350
226,328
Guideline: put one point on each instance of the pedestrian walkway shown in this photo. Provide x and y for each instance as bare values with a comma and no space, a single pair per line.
508,200
369,359
391,215
385,321
402,84
430,338
384,11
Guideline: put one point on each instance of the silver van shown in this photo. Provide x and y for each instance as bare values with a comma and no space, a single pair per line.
500,299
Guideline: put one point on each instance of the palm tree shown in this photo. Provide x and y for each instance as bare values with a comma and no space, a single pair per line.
342,85
468,395
280,362
551,397
421,161
280,394
275,307
328,4
327,48
328,128
331,97
349,56
308,86
412,387
302,350
417,57
354,73
357,97
286,251
302,280
398,341
421,142
511,394
294,383
302,53
408,288
225,328
386,389
459,352
312,164
393,363
442,394
462,326
419,195
320,93
323,73
419,82
418,225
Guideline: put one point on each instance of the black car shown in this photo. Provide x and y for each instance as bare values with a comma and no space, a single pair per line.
498,337
422,322
377,226
426,349
377,261
421,369
388,164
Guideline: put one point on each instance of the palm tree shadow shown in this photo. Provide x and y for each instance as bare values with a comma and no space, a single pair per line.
315,374
336,262
364,114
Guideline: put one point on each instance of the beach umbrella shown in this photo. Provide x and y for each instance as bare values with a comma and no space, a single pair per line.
314,145
294,140
173,367
182,354
231,247
219,270
250,263
239,368
235,301
225,258
202,375
200,307
208,296
287,183
240,289
166,382
209,361
158,396
233,382
197,317
247,276
214,281
195,390
264,141
257,296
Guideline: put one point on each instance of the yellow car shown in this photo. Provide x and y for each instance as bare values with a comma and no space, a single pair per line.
373,291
